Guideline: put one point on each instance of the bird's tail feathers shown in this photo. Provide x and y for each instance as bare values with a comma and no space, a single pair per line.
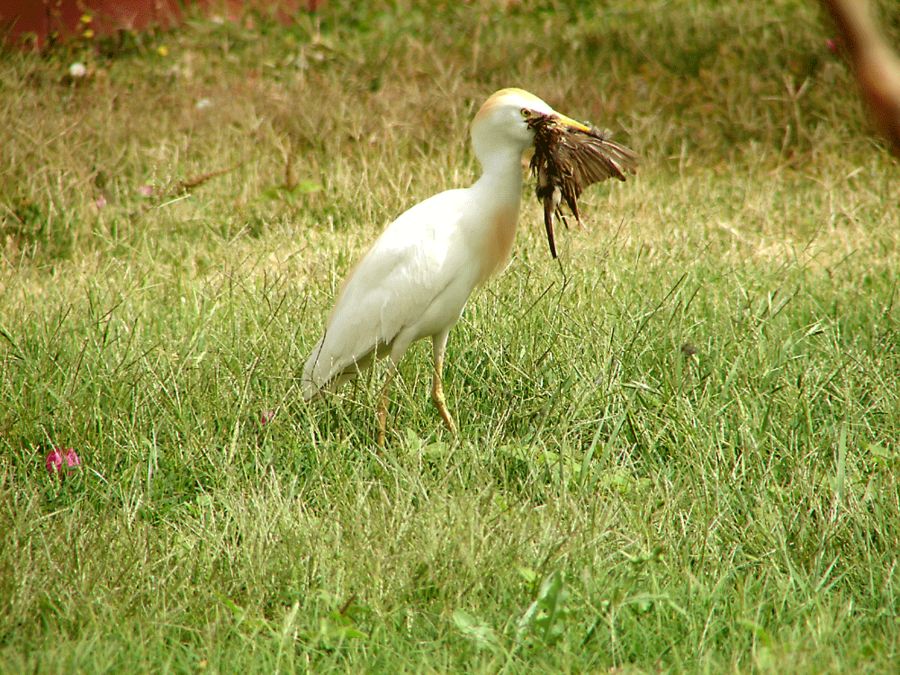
322,375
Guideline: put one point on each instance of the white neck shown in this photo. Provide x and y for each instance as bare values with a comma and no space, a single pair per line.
501,179
498,193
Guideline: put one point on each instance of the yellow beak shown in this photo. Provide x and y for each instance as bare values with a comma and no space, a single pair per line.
569,122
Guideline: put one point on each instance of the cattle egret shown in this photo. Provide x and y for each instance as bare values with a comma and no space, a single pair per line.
415,280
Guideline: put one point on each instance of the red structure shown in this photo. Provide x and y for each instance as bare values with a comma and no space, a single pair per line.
31,23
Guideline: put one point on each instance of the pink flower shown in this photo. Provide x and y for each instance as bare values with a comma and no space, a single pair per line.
54,462
72,458
832,45
266,416
61,460
145,190
100,202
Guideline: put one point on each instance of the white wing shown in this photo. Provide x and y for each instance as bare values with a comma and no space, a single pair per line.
412,283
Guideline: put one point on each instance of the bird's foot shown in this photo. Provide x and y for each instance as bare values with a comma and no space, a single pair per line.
437,395
448,421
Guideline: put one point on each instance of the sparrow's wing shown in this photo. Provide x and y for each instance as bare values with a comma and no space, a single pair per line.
593,158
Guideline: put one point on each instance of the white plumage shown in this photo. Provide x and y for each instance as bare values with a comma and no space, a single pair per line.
411,284
415,280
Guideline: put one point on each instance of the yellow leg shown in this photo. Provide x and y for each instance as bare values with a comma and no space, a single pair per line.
439,344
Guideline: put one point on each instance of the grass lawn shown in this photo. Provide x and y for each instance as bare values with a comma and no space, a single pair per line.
679,445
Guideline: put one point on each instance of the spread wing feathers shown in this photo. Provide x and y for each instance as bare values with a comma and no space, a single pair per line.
595,158
587,159
568,160
390,298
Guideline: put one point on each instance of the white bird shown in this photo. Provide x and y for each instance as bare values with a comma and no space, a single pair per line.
415,280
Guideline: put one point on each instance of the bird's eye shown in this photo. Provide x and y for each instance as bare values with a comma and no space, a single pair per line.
526,113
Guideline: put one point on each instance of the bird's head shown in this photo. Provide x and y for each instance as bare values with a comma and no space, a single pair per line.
505,123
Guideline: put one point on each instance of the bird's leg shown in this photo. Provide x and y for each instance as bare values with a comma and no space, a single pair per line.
439,345
383,400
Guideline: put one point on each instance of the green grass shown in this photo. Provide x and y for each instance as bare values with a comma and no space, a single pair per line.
679,447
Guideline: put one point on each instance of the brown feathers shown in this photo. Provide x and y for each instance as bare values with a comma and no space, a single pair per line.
566,160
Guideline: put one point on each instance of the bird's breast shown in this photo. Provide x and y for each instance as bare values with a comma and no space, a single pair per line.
500,235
